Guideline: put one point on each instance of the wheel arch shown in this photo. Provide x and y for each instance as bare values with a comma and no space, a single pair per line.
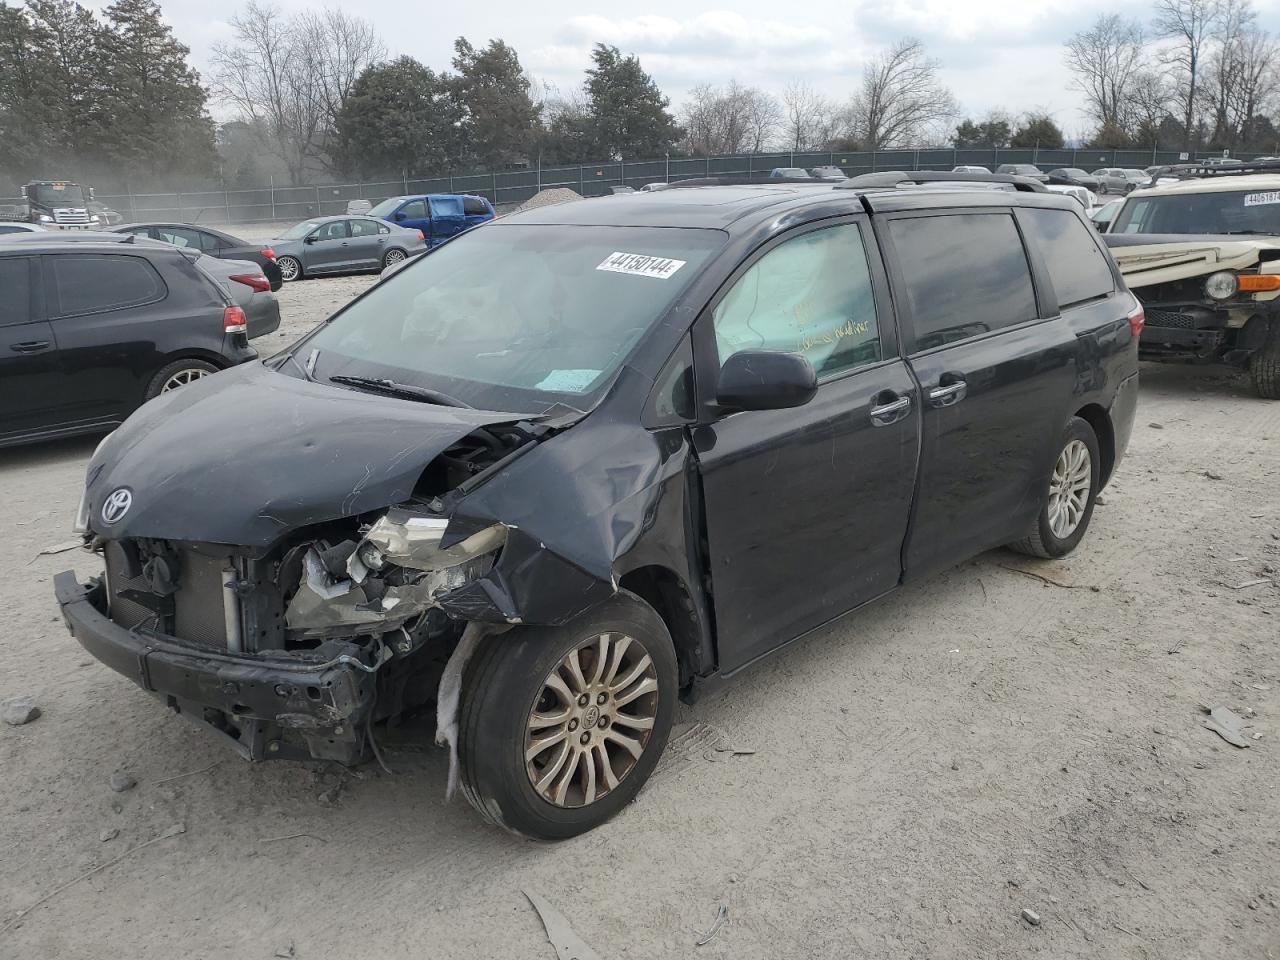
1100,421
663,590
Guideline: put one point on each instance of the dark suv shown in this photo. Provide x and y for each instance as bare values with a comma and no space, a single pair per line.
600,455
93,325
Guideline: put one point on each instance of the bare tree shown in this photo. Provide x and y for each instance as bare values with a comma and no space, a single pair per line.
729,119
292,76
1190,25
1106,60
901,98
1150,97
807,117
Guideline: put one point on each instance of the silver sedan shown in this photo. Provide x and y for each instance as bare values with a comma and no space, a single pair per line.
343,244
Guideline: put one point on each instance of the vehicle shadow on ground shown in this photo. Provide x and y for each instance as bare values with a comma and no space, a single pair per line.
1185,380
50,452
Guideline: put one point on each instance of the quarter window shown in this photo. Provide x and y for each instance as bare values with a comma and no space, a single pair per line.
1078,268
809,295
92,284
15,282
965,275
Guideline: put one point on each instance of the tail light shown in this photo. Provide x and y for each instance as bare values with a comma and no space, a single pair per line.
422,236
233,320
257,281
1137,320
269,253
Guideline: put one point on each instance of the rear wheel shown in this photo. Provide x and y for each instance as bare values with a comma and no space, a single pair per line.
561,726
1264,366
1068,501
179,374
290,268
393,257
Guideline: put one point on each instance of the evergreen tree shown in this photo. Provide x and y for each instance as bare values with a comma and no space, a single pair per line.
152,95
627,112
399,116
1038,130
499,120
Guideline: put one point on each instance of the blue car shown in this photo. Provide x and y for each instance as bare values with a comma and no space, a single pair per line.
438,215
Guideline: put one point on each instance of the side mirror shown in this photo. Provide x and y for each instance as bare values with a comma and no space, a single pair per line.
310,238
399,215
765,380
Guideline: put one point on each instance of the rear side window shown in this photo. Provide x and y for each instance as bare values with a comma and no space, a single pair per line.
1079,270
94,283
809,295
364,228
474,206
15,283
965,275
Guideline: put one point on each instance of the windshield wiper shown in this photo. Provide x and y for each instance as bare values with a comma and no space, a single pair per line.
405,390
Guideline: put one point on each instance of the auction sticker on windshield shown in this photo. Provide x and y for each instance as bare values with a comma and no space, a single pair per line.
641,265
1261,199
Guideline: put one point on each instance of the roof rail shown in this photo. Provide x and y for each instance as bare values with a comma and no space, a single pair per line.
895,178
737,180
1193,171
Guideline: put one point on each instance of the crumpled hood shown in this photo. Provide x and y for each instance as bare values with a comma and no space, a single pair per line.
1147,259
250,454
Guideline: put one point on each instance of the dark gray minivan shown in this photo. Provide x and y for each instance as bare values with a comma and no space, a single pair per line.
595,457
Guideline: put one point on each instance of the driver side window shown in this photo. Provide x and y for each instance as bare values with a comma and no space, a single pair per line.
335,230
809,295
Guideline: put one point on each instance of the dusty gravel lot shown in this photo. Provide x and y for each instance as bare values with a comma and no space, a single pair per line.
923,771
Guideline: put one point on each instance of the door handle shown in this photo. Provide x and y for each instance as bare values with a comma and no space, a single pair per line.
29,346
891,411
947,394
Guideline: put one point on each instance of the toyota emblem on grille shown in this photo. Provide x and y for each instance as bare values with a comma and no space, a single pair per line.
117,505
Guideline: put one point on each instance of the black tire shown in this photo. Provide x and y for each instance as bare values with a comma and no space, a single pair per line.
195,368
1264,365
503,684
290,268
393,256
1042,541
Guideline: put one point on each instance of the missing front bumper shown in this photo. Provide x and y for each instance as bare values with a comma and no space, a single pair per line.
265,705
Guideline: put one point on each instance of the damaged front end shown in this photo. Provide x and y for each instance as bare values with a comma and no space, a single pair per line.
292,605
294,653
1207,299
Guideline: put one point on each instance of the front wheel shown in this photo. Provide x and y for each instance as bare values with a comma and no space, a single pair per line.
1264,365
1068,502
560,727
290,268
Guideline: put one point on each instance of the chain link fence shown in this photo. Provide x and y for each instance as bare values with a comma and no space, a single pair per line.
509,188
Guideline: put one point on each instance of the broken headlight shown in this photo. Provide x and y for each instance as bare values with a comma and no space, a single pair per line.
394,573
404,538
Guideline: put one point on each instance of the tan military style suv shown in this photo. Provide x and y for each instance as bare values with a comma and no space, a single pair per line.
1201,250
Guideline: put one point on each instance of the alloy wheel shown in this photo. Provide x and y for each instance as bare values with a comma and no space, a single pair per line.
393,257
592,720
288,268
182,377
1069,489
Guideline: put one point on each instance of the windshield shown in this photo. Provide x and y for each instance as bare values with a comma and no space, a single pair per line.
59,194
516,317
386,207
299,230
1236,211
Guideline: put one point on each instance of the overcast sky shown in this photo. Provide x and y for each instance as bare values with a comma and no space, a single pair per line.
994,53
